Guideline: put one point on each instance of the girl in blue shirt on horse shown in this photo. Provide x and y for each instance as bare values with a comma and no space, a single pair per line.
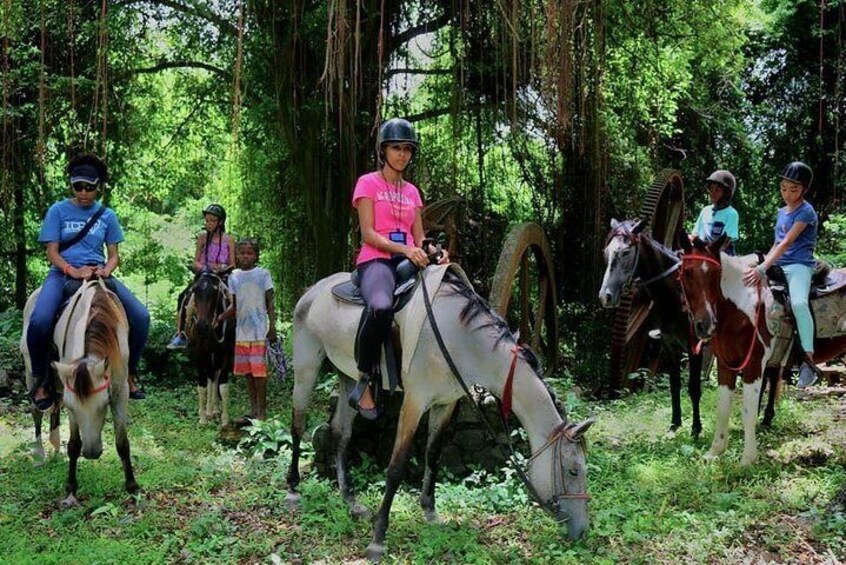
793,251
82,259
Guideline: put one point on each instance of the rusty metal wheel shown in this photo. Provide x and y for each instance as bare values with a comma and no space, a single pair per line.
663,212
525,272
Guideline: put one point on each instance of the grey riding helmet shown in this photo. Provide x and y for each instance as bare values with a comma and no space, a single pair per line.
726,180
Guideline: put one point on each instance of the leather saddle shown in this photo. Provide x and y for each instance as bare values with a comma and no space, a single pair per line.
825,280
407,278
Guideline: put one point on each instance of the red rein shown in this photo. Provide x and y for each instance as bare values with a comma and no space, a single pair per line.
509,381
709,259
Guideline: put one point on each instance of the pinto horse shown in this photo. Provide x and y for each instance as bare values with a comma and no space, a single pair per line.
92,339
633,257
483,349
210,346
732,315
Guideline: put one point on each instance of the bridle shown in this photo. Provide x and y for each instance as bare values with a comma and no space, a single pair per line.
562,433
635,239
100,388
708,259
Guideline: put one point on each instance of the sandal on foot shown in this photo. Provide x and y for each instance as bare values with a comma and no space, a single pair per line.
46,403
137,394
355,397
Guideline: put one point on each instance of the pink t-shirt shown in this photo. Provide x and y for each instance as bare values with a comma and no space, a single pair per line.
393,210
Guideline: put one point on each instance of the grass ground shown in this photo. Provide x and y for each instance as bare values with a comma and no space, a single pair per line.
205,500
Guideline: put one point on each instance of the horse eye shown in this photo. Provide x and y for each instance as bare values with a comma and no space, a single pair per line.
574,472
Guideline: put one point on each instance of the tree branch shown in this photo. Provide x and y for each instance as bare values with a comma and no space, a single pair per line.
162,65
407,35
438,112
197,10
394,72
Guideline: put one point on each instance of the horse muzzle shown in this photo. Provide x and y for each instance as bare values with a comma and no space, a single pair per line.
93,452
704,329
609,299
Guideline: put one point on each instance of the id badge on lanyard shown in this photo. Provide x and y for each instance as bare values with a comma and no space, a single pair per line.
397,237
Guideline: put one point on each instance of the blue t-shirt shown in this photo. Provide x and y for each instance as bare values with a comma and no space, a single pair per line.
65,219
712,224
802,249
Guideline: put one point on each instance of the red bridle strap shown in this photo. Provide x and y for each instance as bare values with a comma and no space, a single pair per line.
101,388
509,381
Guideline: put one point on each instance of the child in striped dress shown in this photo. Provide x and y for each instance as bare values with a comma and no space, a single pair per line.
252,306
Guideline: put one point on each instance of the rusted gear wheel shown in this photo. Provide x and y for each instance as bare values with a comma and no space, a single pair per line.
663,212
525,271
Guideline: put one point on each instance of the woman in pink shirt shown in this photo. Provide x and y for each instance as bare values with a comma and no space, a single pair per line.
391,230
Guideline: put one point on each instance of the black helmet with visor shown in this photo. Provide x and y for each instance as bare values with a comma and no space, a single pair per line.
396,130
798,172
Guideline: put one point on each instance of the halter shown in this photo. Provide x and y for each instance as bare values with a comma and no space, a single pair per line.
561,433
101,388
759,303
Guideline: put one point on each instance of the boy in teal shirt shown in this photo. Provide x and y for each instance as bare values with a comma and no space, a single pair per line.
719,217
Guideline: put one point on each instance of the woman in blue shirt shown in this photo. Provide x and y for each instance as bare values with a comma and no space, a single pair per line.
793,251
83,259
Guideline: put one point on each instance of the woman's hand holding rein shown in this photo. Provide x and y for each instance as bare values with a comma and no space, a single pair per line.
416,255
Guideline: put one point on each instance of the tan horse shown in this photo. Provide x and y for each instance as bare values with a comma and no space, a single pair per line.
92,339
483,349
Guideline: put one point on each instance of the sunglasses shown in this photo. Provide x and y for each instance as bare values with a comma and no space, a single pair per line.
80,186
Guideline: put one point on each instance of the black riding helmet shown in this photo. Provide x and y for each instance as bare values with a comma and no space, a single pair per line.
797,171
216,210
395,130
726,180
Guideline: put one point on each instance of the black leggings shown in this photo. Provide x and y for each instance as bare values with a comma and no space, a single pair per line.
378,281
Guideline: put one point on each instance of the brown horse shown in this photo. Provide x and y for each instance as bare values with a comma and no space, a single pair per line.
732,315
211,347
633,257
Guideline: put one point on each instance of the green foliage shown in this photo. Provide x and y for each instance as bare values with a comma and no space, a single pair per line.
11,326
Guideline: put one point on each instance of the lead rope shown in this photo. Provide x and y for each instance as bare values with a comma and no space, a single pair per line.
512,456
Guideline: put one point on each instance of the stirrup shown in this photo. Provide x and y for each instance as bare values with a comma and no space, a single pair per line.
357,393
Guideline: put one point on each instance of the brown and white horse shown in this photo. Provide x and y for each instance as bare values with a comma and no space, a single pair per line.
92,339
723,309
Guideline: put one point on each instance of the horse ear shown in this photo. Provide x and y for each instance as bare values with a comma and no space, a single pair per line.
684,241
582,427
639,226
717,245
102,367
614,223
64,370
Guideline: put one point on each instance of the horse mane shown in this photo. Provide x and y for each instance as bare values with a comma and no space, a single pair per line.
478,307
101,338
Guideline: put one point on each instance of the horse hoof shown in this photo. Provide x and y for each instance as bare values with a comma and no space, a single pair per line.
671,432
38,455
292,501
204,421
132,487
360,511
710,456
374,552
748,460
431,516
70,501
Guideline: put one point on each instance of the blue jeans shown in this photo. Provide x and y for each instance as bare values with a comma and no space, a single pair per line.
39,336
799,284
